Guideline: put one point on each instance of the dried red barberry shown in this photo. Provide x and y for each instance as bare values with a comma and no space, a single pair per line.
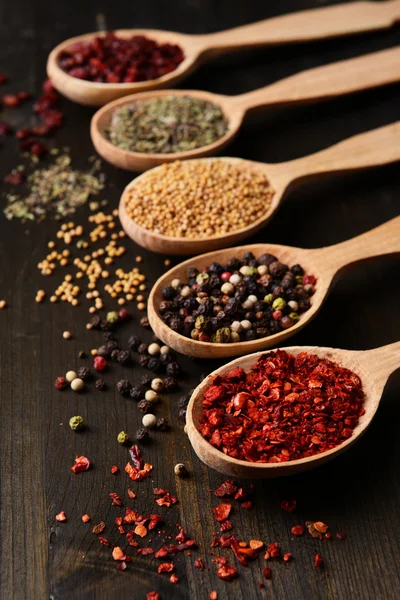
267,573
166,567
152,596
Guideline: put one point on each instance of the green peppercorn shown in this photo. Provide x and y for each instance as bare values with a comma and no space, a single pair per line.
202,278
294,316
279,304
112,317
76,423
299,279
122,437
200,322
223,335
269,298
194,334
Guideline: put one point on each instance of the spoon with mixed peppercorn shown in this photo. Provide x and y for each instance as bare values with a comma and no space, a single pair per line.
200,205
287,411
144,143
94,69
239,300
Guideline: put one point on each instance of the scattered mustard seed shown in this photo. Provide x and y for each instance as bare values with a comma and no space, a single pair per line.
67,335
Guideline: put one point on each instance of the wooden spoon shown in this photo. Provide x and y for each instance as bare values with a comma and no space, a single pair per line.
377,147
314,24
324,263
374,367
330,81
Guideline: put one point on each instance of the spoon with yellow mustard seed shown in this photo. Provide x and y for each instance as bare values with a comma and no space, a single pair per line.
222,201
324,263
330,81
373,367
315,24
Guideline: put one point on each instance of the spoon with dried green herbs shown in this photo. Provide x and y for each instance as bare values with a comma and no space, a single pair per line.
96,68
145,130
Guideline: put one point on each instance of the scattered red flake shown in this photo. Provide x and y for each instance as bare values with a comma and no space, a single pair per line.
138,474
130,538
288,505
131,494
226,572
144,551
314,531
287,557
321,527
118,553
116,500
167,500
226,526
152,596
248,504
99,363
155,519
256,544
81,464
174,578
181,537
61,516
222,511
239,549
166,567
37,149
22,134
261,585
103,541
114,470
121,566
22,96
341,536
199,564
328,536
161,553
213,595
141,530
228,488
318,561
98,528
121,529
272,551
297,530
118,521
85,518
267,573
240,494
159,492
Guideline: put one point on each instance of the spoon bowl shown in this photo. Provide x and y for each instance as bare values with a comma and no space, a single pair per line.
323,263
372,366
320,23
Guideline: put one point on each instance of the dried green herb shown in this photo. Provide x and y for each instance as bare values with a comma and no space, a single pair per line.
167,124
56,188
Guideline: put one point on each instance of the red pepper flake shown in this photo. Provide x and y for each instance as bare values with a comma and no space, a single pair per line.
272,551
226,572
155,519
118,521
248,504
159,492
152,596
114,470
222,511
167,500
288,505
313,531
287,557
138,474
103,541
199,564
141,530
131,494
166,567
297,530
81,464
121,529
340,536
3,78
256,544
213,595
318,561
161,553
130,539
226,526
267,573
121,566
174,578
118,553
136,456
181,537
240,494
144,551
299,406
98,528
61,516
228,488
321,527
85,518
328,536
116,500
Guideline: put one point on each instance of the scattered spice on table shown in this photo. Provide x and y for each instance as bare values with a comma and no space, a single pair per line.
285,408
198,198
166,124
112,58
55,189
246,299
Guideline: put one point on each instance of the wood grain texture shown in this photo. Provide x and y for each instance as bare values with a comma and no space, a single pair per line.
358,493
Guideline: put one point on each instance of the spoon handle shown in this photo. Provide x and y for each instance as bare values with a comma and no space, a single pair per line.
313,24
383,361
380,241
371,149
329,81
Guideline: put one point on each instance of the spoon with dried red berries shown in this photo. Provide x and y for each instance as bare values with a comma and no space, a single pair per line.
314,24
372,367
322,83
323,263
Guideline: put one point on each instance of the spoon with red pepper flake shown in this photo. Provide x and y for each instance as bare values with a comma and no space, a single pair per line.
324,263
314,24
321,83
358,378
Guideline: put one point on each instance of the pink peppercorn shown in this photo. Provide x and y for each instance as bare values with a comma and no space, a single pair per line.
60,383
99,363
225,276
124,314
309,280
277,314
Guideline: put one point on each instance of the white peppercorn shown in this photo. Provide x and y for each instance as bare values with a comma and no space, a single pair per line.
77,384
70,376
186,291
151,396
246,325
149,421
262,270
227,288
293,305
157,384
234,279
236,326
246,270
235,337
165,350
153,349
175,283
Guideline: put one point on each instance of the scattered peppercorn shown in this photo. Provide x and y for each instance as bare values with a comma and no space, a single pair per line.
180,470
76,423
122,437
70,376
100,384
162,424
124,387
84,373
77,385
99,363
60,383
3,304
145,406
142,435
67,335
149,421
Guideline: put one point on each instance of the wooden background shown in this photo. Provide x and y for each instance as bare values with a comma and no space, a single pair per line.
359,493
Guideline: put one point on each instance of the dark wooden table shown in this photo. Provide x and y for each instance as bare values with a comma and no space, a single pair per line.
359,493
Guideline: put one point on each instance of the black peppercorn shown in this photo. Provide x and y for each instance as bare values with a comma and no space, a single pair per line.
173,369
108,336
146,379
134,342
124,387
95,321
165,358
84,373
123,357
154,364
170,384
164,306
233,265
297,270
142,435
144,360
287,322
142,349
168,293
182,414
162,424
192,272
249,335
216,268
111,345
144,321
137,392
267,259
105,325
277,269
100,384
248,256
145,406
103,351
183,401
